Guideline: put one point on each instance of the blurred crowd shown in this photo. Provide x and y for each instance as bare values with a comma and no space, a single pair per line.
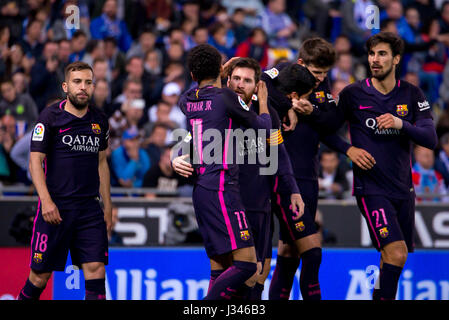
138,48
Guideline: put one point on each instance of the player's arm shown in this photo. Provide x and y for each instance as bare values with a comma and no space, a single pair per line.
180,154
50,212
323,117
362,158
238,110
422,132
105,188
285,169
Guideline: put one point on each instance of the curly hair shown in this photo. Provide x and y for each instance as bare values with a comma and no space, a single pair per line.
204,62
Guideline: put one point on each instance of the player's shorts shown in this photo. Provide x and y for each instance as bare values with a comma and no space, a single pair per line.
260,222
222,220
388,219
291,229
82,231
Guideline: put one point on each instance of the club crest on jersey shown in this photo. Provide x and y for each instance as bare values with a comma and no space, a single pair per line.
243,104
96,128
37,257
402,110
300,226
384,232
38,132
244,235
320,96
272,73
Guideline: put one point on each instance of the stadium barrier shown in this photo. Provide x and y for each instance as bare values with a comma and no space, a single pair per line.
171,221
183,274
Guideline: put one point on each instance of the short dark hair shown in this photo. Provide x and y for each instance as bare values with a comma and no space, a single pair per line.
204,62
295,78
317,52
249,63
76,66
395,42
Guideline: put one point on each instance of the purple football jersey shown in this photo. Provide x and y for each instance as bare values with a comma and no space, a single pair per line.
360,104
223,110
71,145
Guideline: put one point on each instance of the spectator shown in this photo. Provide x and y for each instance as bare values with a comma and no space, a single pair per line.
163,178
252,10
136,71
427,10
64,52
12,13
426,179
277,24
156,140
101,95
176,52
255,47
31,42
78,46
241,31
20,105
444,19
343,69
5,38
442,160
21,82
134,112
200,35
7,140
191,10
108,25
146,42
337,86
116,58
354,23
170,94
442,126
332,177
217,39
160,13
395,11
101,70
59,30
130,162
94,50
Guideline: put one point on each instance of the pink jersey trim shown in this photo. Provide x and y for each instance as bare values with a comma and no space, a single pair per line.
37,214
226,146
367,82
369,220
284,216
225,213
62,102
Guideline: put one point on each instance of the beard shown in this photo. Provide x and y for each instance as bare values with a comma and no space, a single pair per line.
382,76
77,103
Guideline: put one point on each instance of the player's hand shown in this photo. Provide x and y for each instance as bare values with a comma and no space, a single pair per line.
302,106
293,119
262,91
108,218
388,121
50,213
182,167
225,71
361,158
297,205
